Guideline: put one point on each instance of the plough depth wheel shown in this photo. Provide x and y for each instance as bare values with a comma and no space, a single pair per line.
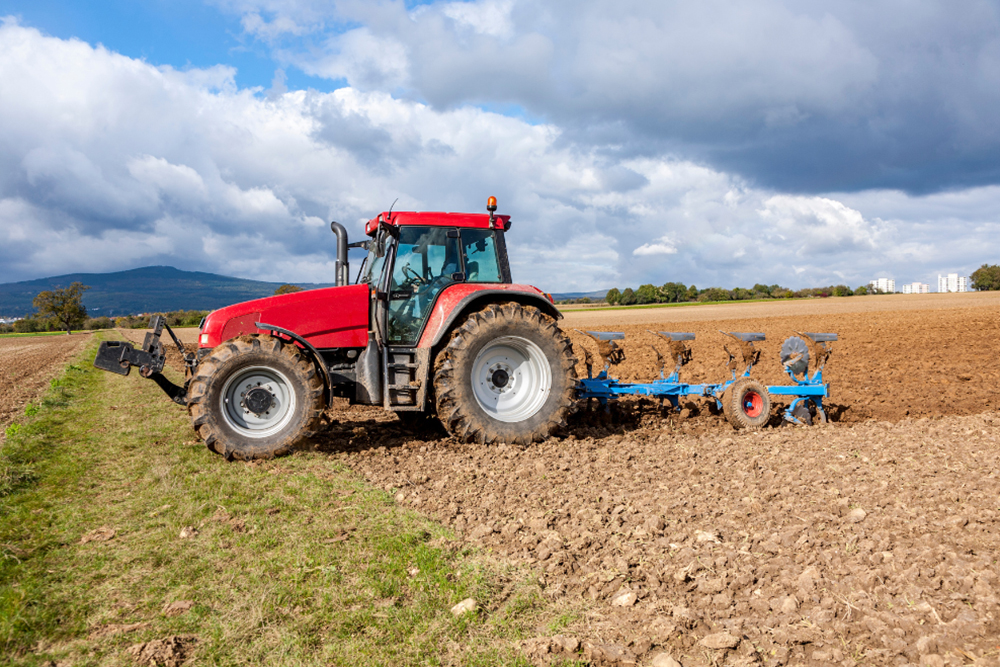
747,404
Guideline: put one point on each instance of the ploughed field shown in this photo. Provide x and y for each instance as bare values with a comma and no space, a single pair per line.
870,540
26,366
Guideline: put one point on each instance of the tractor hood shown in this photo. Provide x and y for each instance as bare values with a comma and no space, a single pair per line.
326,318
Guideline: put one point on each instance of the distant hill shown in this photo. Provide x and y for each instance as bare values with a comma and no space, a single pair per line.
145,290
596,296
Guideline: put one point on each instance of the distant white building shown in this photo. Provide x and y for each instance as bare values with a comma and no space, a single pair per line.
953,283
916,288
886,285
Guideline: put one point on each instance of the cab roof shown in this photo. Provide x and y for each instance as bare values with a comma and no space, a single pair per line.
436,219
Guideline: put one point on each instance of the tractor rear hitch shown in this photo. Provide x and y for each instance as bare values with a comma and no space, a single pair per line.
117,356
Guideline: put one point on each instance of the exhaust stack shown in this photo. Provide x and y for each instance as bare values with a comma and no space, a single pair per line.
343,268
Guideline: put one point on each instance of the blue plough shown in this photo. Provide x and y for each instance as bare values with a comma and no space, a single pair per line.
745,401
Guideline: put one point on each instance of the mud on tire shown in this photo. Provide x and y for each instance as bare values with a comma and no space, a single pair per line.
507,374
255,373
746,404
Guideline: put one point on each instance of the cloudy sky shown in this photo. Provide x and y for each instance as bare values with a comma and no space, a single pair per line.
716,143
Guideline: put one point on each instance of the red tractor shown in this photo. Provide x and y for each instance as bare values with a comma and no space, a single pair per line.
434,324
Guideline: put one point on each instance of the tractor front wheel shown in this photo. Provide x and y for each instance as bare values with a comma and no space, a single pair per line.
746,404
508,374
255,398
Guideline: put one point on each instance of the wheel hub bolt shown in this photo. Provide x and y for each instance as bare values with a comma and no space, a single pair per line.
259,400
500,378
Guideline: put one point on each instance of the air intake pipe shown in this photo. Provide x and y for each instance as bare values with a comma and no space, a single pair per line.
343,268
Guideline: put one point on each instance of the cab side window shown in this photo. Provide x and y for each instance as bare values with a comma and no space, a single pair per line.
480,249
426,262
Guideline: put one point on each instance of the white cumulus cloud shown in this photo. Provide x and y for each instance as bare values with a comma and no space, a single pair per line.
662,246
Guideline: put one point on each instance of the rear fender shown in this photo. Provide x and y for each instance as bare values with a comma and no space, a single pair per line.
442,320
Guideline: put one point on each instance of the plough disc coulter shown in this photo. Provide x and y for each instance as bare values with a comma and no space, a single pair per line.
746,402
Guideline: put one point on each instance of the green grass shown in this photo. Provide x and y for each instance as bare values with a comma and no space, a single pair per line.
568,309
296,561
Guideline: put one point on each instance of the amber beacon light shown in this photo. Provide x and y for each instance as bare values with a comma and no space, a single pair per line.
491,206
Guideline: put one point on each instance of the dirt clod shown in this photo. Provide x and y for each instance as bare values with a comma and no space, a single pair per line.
464,607
664,660
624,598
167,652
102,534
550,650
607,655
720,640
706,536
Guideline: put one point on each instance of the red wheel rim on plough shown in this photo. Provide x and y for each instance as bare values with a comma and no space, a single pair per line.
753,404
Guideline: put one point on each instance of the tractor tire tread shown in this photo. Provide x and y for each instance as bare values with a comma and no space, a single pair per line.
457,407
207,379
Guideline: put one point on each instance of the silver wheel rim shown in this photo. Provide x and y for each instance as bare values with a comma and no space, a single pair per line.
511,379
241,419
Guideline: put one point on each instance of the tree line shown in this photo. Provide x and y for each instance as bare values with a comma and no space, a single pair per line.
681,293
62,309
986,278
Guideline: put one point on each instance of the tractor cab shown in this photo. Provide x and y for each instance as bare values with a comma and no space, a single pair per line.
413,257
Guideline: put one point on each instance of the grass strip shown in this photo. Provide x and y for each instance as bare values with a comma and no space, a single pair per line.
34,334
117,528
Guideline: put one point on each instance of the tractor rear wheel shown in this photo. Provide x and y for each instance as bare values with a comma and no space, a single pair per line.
747,404
255,397
507,374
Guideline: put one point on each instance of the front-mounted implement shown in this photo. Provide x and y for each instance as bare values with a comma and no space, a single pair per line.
745,401
119,357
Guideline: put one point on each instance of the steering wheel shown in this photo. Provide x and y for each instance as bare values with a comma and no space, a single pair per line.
411,276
